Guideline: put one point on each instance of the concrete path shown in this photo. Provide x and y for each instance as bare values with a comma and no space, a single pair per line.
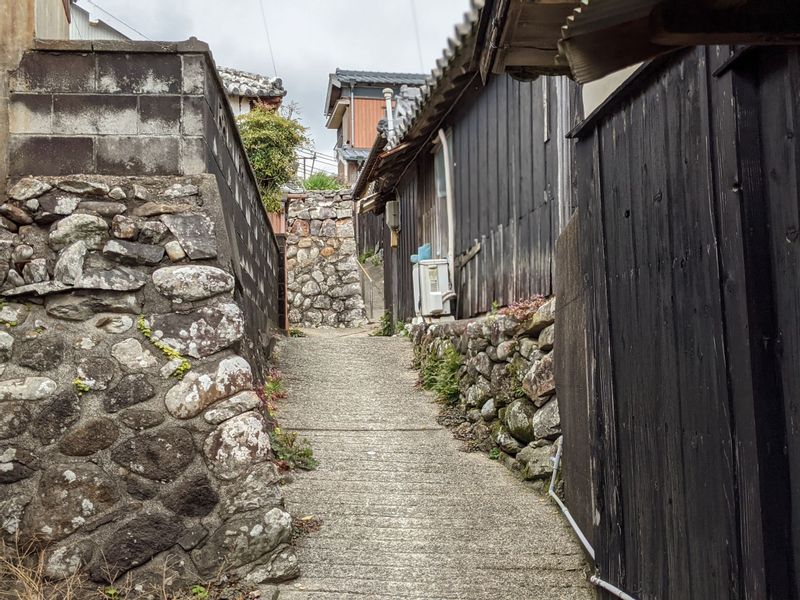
405,513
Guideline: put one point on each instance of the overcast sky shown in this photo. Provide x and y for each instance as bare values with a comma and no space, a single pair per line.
310,38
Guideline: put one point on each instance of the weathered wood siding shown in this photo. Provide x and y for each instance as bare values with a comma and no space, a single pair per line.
688,193
512,197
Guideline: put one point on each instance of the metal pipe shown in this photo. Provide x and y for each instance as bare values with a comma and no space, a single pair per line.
594,579
387,95
451,208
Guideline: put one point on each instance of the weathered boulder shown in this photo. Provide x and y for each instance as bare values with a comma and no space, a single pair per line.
199,389
259,489
69,266
28,389
192,282
133,253
91,230
89,437
226,409
82,306
161,455
60,204
96,372
140,419
539,382
118,279
547,421
174,251
76,186
519,419
243,540
66,559
132,355
131,390
282,565
153,209
504,439
27,188
124,228
56,416
69,496
16,463
103,208
546,338
193,497
236,444
202,332
194,232
42,353
135,543
14,419
537,461
35,271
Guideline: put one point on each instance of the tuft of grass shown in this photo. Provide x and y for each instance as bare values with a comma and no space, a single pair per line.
292,453
296,333
165,349
494,453
321,181
440,375
386,326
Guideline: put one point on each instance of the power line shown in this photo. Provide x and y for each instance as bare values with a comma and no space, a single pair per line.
100,8
266,31
416,34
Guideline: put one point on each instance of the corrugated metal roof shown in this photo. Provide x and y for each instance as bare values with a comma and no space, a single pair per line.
251,85
379,77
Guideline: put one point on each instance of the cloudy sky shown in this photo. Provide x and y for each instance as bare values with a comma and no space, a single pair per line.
310,38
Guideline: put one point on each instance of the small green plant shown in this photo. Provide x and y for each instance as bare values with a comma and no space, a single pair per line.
81,387
292,452
183,367
494,453
365,256
199,592
111,593
386,327
495,307
321,181
296,333
440,375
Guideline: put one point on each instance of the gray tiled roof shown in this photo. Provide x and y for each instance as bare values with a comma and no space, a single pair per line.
250,85
379,77
349,153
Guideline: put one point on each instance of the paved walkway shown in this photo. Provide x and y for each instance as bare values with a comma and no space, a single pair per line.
405,513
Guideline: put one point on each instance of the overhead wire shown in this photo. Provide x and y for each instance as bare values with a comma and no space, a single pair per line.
269,40
116,18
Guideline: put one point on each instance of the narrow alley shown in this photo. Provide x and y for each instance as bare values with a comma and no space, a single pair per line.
405,513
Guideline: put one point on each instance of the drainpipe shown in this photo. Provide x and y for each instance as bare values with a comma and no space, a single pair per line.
387,95
451,208
594,579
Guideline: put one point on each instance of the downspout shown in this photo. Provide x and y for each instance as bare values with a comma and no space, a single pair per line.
594,579
387,95
451,209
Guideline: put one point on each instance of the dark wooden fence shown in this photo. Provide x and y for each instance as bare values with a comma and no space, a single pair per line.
689,210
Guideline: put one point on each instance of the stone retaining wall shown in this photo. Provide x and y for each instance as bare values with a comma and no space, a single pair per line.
130,430
323,275
507,391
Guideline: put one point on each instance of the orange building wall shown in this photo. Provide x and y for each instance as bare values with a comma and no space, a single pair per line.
368,111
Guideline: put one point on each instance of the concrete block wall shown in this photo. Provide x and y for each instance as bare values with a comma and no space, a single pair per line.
147,108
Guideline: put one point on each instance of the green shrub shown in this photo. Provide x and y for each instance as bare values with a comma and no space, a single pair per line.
322,181
271,142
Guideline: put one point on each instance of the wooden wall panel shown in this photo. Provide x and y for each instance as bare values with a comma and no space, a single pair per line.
367,113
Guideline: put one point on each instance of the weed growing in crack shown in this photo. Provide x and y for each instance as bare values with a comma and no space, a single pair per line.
440,375
291,452
165,349
386,327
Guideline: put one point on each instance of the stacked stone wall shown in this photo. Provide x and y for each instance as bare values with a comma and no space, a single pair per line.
323,274
507,392
131,431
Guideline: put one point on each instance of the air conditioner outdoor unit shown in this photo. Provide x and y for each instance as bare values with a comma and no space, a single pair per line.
431,283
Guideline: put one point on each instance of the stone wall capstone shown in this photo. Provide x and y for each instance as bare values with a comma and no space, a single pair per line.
130,429
322,270
507,393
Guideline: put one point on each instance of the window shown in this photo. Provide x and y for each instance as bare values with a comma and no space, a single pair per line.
440,237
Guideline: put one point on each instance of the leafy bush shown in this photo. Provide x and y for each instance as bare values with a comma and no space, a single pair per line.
271,141
321,181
